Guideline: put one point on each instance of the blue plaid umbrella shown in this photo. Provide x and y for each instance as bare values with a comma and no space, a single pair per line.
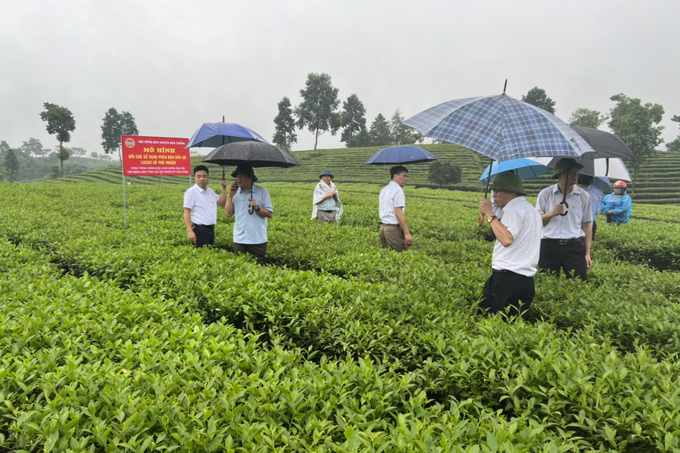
500,127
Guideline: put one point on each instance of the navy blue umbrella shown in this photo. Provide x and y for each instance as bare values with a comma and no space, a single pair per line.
406,154
212,135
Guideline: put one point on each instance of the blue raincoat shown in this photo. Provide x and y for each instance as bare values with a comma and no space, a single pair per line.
620,206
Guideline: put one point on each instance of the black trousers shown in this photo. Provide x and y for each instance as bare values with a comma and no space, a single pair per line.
507,289
205,234
570,257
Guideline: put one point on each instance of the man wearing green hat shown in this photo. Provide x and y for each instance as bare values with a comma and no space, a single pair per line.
326,206
517,247
252,206
567,223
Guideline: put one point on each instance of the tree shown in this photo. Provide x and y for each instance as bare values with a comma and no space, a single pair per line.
94,154
353,122
4,147
402,134
33,147
536,96
284,135
60,121
675,144
11,164
79,152
587,118
317,111
63,154
634,123
444,173
116,124
380,131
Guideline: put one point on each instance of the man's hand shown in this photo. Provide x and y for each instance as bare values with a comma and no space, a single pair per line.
232,189
589,263
485,207
252,201
558,210
409,239
224,184
192,236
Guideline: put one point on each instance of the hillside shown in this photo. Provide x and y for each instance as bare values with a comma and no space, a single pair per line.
660,177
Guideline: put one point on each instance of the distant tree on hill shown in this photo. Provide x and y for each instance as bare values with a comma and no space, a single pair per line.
11,164
60,121
318,110
380,131
94,155
116,124
78,152
284,131
587,118
444,173
536,96
4,147
33,147
634,123
353,118
402,134
675,144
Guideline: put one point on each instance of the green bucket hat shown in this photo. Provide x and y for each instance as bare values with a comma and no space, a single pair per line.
326,172
244,170
508,181
565,166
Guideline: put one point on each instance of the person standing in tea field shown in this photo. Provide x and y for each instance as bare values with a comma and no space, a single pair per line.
394,232
617,206
567,223
517,248
252,206
326,201
200,208
585,182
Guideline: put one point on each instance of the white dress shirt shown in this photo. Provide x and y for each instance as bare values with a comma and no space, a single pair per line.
392,196
524,223
203,205
578,212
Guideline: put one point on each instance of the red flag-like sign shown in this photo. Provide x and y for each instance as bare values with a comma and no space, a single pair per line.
155,156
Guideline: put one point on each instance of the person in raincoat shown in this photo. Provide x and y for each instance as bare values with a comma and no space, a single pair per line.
326,202
617,206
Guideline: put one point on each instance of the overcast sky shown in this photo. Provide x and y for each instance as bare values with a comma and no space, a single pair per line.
177,64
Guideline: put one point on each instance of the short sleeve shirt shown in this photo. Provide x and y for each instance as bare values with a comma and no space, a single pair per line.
392,196
203,205
251,228
524,223
578,212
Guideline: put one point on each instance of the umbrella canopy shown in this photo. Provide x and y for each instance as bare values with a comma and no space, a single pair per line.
524,168
395,155
608,167
604,143
253,153
211,135
603,184
500,127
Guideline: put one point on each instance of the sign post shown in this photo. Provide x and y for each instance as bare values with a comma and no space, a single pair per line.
153,156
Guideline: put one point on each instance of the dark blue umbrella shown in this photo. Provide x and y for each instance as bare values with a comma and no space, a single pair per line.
524,168
212,135
395,155
500,127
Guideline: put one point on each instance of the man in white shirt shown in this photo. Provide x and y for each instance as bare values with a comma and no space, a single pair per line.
200,208
252,206
567,228
517,247
394,232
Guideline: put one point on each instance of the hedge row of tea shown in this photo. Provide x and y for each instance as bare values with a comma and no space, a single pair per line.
659,180
131,340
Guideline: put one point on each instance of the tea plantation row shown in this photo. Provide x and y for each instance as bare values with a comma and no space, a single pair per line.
118,340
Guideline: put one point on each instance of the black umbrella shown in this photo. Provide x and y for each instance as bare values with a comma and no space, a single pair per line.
253,153
606,145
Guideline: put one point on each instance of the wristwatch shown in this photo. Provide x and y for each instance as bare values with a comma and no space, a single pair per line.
257,208
491,218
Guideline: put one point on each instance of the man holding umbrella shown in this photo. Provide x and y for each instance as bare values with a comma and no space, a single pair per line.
394,232
517,247
252,206
567,223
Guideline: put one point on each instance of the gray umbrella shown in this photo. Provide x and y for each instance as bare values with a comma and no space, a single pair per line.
253,153
606,145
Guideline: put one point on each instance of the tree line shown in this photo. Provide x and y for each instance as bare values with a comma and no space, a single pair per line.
61,122
320,112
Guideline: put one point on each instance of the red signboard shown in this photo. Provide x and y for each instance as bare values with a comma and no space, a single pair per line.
155,156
